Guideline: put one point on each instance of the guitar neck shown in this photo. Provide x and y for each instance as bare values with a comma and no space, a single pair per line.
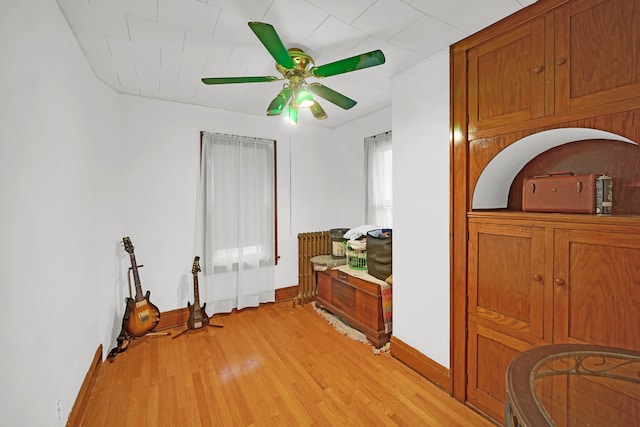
196,292
136,278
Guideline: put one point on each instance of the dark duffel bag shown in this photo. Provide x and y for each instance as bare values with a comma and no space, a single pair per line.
379,251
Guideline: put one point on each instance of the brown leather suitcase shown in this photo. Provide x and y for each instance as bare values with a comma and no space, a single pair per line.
562,192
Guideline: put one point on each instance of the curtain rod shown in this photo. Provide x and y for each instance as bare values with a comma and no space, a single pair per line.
202,132
378,135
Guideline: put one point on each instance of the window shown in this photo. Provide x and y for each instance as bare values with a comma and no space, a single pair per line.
378,172
238,176
236,222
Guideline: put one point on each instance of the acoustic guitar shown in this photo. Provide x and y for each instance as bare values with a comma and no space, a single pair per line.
197,316
144,315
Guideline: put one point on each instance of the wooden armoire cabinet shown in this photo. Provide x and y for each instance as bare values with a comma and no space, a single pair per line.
577,56
536,279
523,279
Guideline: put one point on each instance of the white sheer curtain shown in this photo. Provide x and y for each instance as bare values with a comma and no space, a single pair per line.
235,223
378,173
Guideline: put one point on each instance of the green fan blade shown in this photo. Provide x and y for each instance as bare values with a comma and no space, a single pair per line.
270,39
318,111
227,80
354,63
332,96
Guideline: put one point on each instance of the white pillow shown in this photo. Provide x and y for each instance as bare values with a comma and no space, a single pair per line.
361,230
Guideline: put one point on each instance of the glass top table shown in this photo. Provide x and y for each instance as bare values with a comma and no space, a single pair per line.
573,385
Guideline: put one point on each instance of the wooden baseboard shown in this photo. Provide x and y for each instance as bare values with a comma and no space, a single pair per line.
82,400
428,368
173,318
178,317
286,294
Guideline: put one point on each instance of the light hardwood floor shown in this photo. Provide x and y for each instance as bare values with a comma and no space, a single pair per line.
272,366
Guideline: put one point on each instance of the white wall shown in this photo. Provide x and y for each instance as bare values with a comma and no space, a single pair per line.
81,167
59,218
318,188
421,207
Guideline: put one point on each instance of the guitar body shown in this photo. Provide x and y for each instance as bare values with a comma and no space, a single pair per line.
197,316
144,317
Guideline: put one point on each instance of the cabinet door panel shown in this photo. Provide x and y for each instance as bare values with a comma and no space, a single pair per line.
506,78
489,354
596,56
506,276
597,289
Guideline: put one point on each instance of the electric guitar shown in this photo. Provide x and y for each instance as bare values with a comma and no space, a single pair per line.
144,315
197,316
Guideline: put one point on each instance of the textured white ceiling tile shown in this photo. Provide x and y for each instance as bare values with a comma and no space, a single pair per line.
157,73
184,96
128,80
234,29
253,9
178,90
345,11
294,20
401,59
197,45
168,89
190,15
134,53
248,59
336,35
379,77
427,36
188,86
147,86
152,33
386,18
216,95
150,88
94,18
105,68
91,42
130,91
441,10
147,9
188,66
217,69
481,14
366,94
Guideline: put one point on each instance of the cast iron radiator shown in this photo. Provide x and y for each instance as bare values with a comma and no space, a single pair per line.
310,245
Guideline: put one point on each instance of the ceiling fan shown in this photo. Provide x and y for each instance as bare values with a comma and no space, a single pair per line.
296,66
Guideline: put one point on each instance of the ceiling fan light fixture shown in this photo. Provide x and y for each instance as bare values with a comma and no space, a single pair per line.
317,111
295,66
278,103
304,99
291,115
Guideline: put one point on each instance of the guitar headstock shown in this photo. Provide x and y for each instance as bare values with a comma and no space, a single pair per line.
196,265
127,245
